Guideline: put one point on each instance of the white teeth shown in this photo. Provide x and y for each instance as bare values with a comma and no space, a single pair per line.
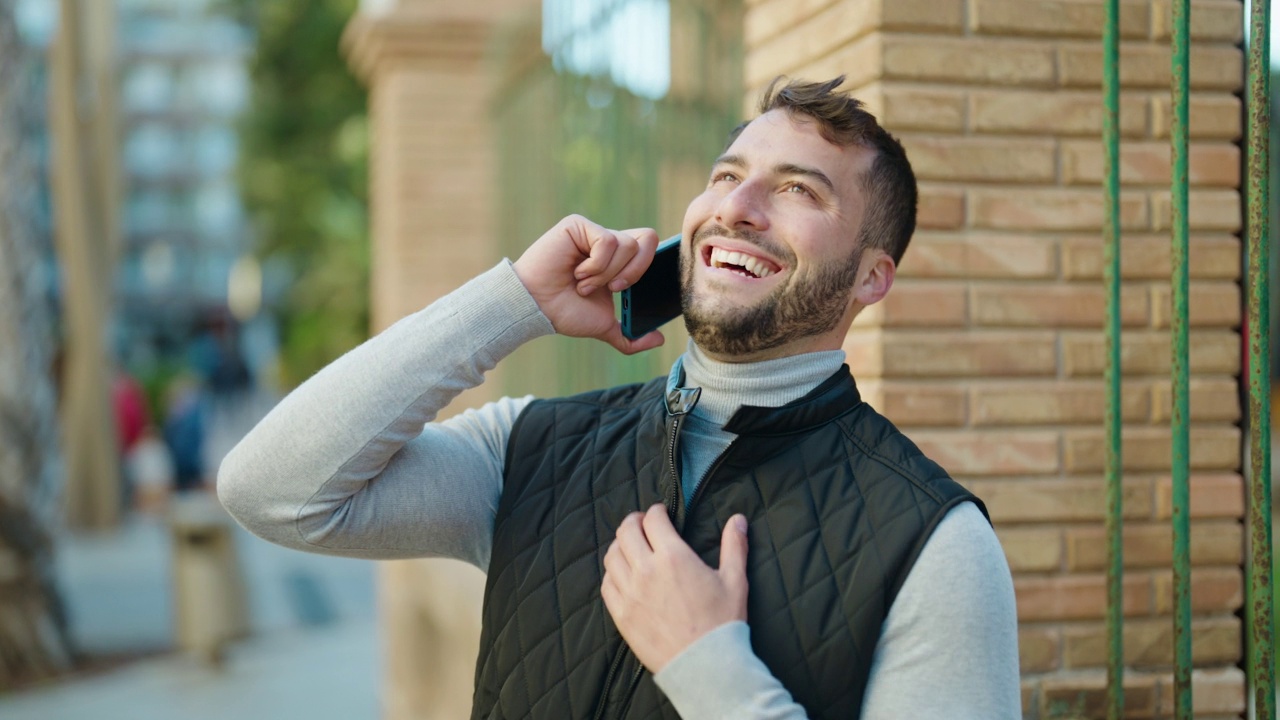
755,266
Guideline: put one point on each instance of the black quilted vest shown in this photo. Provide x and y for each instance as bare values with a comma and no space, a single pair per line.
838,503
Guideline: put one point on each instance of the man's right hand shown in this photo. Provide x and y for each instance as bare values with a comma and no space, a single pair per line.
573,270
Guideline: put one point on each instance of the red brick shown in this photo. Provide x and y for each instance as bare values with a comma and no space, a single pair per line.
923,354
1048,209
1058,500
1213,691
981,159
1078,597
1212,116
978,255
1148,353
1209,304
967,60
1212,210
934,16
1221,20
1053,18
1147,257
1149,643
1213,590
1052,112
903,107
1211,399
1031,548
940,208
1215,447
1059,402
1084,695
914,404
1039,649
769,18
1041,305
981,454
1210,164
1214,542
1145,65
919,304
1213,495
834,27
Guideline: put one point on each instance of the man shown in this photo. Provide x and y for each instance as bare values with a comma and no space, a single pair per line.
852,577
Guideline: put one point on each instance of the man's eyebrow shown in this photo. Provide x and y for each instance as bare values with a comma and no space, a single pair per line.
734,160
782,169
814,173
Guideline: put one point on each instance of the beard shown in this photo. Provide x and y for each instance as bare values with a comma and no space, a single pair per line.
801,308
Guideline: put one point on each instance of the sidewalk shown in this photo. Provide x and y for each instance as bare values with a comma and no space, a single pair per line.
316,674
312,653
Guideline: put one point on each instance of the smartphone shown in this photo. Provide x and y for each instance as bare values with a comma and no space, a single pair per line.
654,300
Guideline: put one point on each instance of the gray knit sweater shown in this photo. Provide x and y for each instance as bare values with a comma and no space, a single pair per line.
351,464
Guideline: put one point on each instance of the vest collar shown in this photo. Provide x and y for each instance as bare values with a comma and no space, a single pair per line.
834,397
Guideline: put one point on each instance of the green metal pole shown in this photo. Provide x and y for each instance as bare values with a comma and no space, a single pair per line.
1261,623
1180,351
1111,375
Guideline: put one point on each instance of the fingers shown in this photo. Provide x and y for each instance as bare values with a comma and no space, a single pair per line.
615,259
733,562
631,542
733,547
658,529
646,244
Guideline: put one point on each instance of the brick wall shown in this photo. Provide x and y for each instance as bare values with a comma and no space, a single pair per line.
989,349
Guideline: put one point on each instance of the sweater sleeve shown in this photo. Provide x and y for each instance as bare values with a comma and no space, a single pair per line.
350,463
949,646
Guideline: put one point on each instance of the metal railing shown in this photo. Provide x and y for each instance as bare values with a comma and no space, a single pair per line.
1259,621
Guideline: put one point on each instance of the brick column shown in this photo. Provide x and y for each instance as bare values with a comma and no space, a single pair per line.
989,349
433,192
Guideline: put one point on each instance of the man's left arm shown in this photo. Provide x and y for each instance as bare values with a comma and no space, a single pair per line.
949,647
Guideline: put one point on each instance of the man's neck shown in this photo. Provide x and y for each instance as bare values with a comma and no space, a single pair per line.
726,386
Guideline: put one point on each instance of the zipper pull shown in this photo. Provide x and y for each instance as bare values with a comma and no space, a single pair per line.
681,401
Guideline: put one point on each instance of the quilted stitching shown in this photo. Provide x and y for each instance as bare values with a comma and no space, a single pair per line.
836,512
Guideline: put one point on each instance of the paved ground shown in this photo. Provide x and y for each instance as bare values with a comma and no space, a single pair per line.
312,654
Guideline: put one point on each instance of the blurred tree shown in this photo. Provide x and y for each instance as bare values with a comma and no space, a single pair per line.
303,172
33,637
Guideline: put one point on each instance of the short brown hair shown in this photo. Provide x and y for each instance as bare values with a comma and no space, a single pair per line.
890,184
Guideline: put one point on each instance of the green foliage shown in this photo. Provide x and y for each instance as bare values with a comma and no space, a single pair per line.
303,173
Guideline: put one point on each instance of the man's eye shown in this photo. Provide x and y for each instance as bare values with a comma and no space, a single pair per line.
800,189
724,177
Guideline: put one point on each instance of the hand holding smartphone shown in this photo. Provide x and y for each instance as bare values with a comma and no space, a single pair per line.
654,300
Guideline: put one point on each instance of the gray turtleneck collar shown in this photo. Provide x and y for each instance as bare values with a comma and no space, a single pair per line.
769,383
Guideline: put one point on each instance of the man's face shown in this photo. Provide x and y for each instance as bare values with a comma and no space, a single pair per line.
770,255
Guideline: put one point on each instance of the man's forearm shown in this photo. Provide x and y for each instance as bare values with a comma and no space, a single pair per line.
302,477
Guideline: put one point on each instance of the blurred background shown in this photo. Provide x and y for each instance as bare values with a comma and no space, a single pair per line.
195,195
185,236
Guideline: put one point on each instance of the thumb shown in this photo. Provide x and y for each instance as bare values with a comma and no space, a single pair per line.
626,346
733,552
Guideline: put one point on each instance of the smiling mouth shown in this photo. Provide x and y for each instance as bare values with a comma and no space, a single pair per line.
741,263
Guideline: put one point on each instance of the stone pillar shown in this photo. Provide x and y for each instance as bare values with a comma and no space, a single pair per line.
989,349
434,197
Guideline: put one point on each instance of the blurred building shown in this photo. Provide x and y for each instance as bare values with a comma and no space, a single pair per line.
183,80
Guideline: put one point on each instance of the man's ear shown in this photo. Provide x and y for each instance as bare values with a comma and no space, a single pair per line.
875,277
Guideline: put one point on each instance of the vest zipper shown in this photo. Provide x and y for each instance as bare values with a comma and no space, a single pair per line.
608,680
677,493
673,510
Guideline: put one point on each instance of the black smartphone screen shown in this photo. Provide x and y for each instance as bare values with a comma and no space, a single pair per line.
655,298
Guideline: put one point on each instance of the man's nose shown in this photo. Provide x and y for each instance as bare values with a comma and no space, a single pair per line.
745,206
